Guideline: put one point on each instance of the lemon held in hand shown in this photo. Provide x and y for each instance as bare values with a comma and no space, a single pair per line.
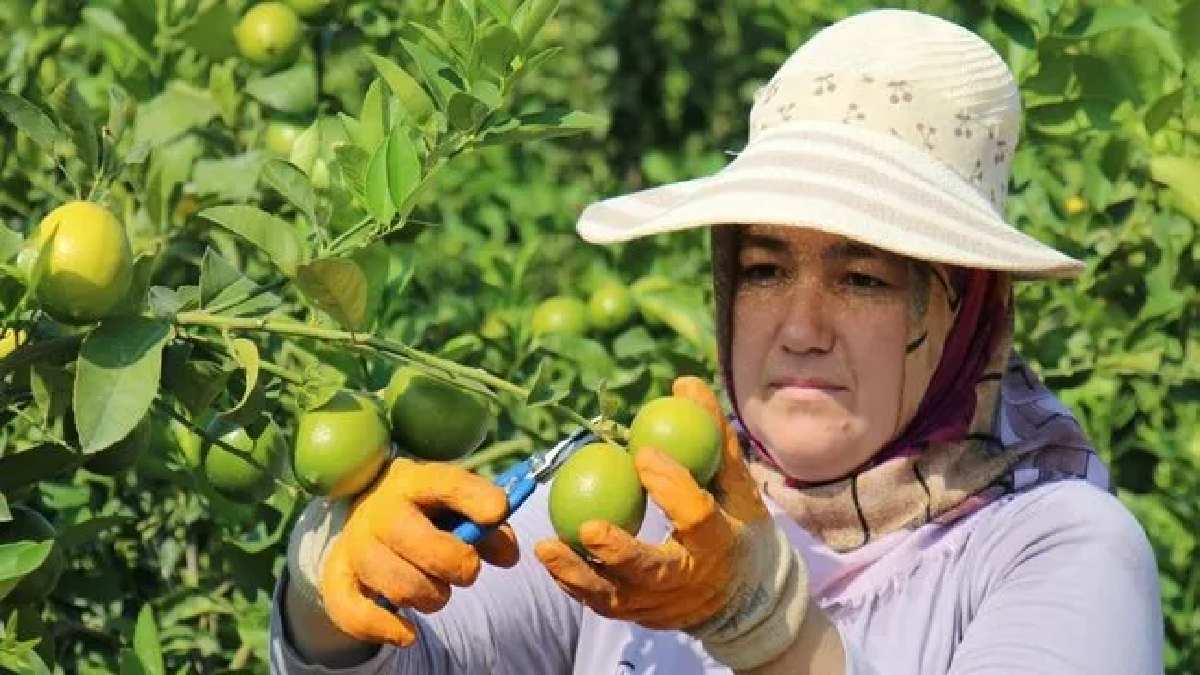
433,419
88,266
599,482
269,34
684,430
341,445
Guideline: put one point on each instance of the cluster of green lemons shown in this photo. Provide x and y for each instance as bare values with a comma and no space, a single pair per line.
600,481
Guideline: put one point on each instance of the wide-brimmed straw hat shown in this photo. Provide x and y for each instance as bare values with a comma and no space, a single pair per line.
890,127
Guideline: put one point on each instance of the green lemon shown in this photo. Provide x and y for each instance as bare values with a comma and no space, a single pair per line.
88,267
247,475
599,482
610,306
29,525
559,314
123,454
269,34
684,430
433,419
280,137
340,446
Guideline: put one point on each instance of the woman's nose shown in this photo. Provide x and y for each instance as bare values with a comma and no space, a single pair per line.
807,324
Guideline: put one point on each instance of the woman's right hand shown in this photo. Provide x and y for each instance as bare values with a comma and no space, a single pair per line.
389,547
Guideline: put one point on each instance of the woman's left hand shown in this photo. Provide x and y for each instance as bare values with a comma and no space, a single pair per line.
726,574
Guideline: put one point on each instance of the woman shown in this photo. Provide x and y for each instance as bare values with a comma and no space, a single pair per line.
906,497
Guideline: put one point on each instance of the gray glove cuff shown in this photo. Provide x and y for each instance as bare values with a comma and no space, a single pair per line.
764,614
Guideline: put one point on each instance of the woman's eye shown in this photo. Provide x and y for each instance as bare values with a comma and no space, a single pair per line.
759,273
860,280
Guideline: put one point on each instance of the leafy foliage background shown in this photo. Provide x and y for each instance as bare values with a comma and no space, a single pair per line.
1108,170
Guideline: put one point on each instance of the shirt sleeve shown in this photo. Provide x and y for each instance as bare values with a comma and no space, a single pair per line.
1065,585
510,622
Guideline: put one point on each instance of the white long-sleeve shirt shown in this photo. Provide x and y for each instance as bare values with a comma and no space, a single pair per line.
1058,579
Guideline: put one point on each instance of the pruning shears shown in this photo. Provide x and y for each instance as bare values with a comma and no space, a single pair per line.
520,480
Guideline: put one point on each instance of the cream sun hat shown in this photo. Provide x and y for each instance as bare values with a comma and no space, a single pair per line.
890,127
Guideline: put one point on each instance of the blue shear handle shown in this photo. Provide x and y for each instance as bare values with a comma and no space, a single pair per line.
518,484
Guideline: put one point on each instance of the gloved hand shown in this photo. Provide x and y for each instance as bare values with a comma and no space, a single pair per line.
726,574
384,543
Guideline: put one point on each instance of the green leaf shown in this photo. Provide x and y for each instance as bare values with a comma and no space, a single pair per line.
196,383
498,46
146,643
51,386
121,111
498,9
273,236
230,178
75,114
291,91
293,185
10,244
373,117
530,18
686,317
338,286
209,32
465,111
378,191
1100,20
245,353
79,534
1162,110
20,558
353,162
29,120
225,290
433,70
116,378
405,88
1015,28
20,469
458,26
178,109
537,126
403,166
1182,176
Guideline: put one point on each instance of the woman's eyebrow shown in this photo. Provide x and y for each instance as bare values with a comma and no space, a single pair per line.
750,239
853,250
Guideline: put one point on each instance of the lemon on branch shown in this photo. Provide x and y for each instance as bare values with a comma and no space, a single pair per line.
433,419
340,446
88,265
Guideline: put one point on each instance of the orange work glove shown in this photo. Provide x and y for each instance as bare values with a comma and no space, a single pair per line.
726,574
388,546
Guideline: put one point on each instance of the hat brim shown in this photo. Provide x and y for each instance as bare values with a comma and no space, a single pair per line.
844,180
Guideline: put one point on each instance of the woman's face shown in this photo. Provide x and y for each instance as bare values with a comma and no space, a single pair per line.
819,330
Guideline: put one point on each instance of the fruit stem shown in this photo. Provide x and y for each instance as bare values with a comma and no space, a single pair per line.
449,369
495,451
